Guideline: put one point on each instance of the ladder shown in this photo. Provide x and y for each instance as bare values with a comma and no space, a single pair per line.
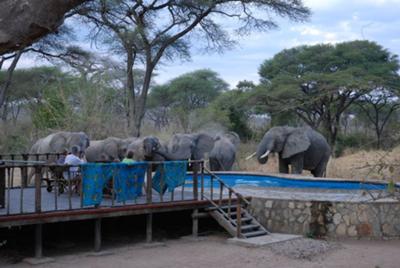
230,211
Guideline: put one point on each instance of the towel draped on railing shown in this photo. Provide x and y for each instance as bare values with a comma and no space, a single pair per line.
126,181
169,175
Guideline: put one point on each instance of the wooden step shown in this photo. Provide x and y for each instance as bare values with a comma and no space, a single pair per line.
255,233
245,219
225,208
249,227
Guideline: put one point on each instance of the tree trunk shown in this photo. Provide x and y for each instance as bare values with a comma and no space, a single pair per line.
139,108
4,86
24,22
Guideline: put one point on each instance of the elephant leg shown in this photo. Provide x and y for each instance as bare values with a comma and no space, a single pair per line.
297,163
320,170
283,166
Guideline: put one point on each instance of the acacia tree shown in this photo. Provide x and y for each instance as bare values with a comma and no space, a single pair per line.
379,106
319,83
145,32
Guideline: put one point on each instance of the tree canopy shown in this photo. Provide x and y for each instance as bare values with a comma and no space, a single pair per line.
318,83
147,32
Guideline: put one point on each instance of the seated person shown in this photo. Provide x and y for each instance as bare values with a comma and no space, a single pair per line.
129,158
73,160
63,155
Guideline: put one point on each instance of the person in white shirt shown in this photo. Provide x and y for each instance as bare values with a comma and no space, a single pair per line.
73,160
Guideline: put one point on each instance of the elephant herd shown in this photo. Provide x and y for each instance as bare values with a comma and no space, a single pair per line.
221,149
297,147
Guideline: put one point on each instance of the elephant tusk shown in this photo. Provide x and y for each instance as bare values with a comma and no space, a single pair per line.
265,155
251,156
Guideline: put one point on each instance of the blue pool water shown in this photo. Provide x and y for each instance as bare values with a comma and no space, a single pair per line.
267,181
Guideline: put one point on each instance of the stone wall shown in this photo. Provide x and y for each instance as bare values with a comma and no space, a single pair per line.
332,219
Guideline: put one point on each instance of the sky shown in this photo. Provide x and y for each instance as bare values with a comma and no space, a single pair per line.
332,21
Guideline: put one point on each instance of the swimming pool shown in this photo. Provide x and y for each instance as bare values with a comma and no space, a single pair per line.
235,180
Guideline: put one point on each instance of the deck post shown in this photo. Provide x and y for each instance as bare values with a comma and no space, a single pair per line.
24,172
97,235
195,181
2,186
195,223
38,241
38,189
149,228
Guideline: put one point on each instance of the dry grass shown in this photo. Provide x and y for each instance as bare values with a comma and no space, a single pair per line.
361,165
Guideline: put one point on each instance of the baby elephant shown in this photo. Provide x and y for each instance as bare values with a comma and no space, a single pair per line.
223,154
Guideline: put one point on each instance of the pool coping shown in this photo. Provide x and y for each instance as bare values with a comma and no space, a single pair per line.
300,177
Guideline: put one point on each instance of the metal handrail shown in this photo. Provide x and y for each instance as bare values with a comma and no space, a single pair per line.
241,197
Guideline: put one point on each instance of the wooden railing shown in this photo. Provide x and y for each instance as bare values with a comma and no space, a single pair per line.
19,197
224,192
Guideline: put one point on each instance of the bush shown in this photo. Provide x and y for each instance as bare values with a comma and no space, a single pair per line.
353,141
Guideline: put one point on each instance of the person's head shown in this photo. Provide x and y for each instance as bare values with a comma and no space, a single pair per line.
64,152
129,154
75,150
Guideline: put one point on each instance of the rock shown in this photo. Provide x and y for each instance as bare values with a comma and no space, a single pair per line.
331,228
364,229
301,219
266,213
291,205
341,229
308,204
352,231
337,218
321,220
388,230
346,219
269,204
353,218
363,217
300,205
296,212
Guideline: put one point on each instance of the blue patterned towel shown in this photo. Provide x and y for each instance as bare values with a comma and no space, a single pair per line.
169,176
127,181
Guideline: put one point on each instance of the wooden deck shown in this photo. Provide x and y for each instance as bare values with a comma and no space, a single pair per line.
66,206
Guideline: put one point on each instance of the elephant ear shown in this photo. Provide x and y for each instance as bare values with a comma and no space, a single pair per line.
296,142
203,144
58,142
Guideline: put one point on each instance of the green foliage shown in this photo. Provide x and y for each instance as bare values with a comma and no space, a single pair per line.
53,111
187,93
353,141
318,83
233,112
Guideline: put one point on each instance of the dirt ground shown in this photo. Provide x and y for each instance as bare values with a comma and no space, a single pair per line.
360,165
214,251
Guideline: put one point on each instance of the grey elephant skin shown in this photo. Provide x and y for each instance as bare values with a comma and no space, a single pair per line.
108,149
60,141
57,143
223,154
301,148
146,148
187,146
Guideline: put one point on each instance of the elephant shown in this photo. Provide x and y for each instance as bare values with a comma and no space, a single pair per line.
301,147
146,148
187,146
108,149
223,154
60,141
57,143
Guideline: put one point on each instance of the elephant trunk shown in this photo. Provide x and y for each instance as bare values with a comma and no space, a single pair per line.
263,150
162,151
